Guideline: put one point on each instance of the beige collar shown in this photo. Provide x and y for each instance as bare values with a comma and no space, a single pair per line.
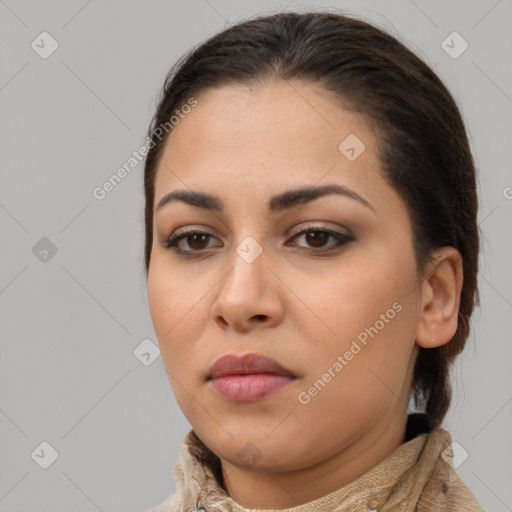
415,476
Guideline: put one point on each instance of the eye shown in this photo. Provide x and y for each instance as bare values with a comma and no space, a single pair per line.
195,240
317,237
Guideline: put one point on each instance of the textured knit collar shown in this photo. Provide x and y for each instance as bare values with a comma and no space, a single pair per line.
415,474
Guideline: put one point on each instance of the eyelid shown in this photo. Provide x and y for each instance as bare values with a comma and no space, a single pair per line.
191,229
319,226
204,229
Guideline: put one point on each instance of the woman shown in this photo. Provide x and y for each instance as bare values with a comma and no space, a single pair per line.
311,254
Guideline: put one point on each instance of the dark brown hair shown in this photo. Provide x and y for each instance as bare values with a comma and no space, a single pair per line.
423,144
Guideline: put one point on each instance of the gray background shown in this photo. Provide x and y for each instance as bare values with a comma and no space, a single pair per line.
72,320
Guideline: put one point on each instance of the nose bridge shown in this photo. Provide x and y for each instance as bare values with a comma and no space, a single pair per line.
246,292
248,268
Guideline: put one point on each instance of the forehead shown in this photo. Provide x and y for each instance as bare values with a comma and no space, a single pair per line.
264,138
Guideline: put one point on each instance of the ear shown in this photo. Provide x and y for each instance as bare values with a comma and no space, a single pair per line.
440,298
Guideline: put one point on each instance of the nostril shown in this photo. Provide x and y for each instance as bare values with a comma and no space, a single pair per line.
223,321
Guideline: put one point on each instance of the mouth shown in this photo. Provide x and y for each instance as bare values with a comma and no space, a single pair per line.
248,378
246,364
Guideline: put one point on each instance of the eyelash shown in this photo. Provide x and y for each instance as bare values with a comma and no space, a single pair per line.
172,242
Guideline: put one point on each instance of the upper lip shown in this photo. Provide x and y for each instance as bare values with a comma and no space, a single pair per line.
245,364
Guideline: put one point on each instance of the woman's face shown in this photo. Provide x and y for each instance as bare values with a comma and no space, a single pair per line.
338,305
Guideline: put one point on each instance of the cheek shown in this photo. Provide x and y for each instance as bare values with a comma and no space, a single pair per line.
176,313
343,301
176,303
369,316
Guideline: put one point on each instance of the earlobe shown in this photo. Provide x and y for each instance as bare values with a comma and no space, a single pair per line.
440,298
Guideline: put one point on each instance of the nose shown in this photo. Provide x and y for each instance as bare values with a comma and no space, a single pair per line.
249,296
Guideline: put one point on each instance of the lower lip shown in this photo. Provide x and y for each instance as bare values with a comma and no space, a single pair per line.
249,388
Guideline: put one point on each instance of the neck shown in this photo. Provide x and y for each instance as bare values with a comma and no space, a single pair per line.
263,490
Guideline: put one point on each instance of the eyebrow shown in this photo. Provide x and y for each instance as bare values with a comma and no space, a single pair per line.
277,203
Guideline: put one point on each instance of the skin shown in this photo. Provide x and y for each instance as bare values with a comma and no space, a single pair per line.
301,303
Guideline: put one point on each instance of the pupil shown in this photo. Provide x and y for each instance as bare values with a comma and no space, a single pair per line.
317,236
195,237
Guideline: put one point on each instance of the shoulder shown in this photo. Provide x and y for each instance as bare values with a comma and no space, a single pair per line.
459,497
442,488
447,492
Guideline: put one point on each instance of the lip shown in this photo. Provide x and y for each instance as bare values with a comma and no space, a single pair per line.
246,364
248,377
249,388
